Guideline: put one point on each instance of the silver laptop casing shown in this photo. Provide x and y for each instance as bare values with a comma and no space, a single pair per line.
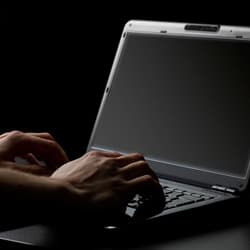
221,182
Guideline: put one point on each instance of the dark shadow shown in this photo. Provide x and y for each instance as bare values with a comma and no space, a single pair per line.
178,227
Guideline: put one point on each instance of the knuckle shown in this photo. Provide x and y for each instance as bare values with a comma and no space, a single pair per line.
47,134
93,153
139,156
142,163
110,162
15,135
52,144
149,179
139,166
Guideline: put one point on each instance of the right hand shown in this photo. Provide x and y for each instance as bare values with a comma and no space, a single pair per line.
104,182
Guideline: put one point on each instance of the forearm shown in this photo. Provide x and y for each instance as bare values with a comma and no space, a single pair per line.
29,196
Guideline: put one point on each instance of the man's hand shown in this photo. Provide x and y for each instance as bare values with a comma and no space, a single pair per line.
33,147
104,182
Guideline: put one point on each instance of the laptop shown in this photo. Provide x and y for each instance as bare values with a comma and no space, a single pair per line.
179,93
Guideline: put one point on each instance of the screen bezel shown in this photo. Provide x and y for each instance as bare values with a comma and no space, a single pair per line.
174,172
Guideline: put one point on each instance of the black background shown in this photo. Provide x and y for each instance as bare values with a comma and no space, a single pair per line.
55,60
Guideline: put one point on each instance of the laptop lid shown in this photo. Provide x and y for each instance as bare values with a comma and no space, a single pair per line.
180,94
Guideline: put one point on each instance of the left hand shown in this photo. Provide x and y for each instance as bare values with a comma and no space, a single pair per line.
33,148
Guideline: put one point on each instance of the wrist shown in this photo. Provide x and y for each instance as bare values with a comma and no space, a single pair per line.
73,203
65,198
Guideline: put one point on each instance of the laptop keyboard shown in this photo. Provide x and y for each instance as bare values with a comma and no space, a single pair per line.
175,197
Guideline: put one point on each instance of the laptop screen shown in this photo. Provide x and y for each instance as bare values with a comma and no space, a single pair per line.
180,100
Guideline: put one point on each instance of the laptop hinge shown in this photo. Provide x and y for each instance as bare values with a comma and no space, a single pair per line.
225,189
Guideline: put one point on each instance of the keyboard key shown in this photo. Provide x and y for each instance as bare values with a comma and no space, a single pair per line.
174,197
190,197
196,195
205,197
178,203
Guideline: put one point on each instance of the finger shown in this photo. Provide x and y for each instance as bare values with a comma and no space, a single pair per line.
96,153
30,168
129,158
152,201
109,153
30,158
47,150
35,169
44,135
137,169
147,186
